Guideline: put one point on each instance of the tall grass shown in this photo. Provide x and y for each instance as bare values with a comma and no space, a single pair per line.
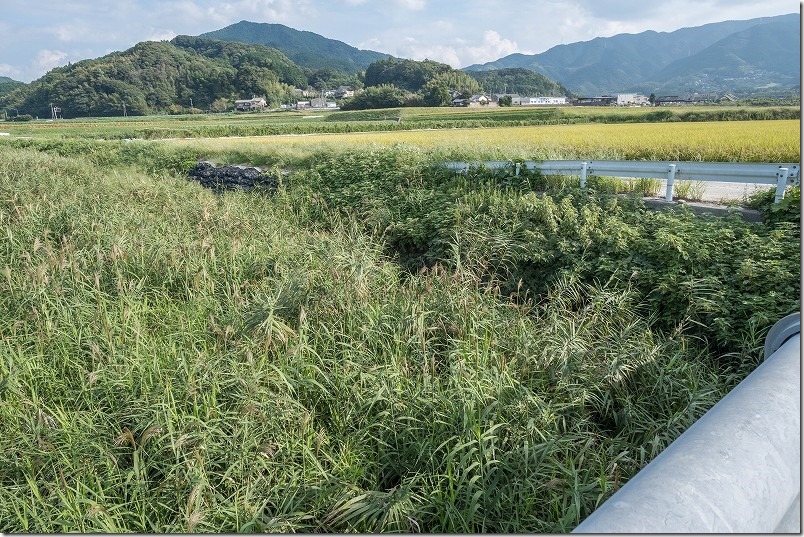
176,361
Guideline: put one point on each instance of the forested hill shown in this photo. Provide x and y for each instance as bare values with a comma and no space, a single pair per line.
519,80
306,49
154,77
7,85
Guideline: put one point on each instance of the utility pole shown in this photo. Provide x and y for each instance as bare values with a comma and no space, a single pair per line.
124,110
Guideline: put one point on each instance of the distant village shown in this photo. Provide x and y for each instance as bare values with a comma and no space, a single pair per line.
312,99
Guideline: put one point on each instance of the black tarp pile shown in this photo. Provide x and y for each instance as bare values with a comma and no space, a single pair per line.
220,178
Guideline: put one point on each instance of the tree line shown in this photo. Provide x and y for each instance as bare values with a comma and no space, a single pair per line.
191,74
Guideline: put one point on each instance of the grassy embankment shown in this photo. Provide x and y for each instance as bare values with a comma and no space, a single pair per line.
378,347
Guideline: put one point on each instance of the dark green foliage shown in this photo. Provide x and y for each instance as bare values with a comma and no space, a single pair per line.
411,83
7,85
177,361
155,76
383,96
519,80
788,210
727,278
306,49
406,74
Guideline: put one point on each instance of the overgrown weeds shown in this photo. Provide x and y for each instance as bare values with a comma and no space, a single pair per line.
175,361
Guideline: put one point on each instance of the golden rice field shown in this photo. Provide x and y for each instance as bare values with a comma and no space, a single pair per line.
725,141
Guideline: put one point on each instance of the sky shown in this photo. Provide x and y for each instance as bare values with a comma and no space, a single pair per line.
38,36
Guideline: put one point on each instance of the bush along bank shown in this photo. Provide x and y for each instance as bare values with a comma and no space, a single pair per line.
725,280
177,361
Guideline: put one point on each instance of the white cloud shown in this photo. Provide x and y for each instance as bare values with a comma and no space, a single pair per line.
493,47
161,35
48,59
262,10
414,5
9,71
69,32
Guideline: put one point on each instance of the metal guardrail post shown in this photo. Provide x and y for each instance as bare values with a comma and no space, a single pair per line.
781,175
584,167
737,469
781,184
671,179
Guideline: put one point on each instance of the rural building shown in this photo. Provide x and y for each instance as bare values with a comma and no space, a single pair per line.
632,99
709,97
343,92
255,103
302,105
479,100
516,99
321,103
543,101
671,100
309,92
603,100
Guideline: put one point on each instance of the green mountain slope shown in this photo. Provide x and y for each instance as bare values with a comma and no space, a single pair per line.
7,85
766,55
154,76
518,80
629,62
306,49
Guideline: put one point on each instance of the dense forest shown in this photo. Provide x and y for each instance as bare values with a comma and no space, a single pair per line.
397,82
154,77
519,80
7,85
191,74
306,49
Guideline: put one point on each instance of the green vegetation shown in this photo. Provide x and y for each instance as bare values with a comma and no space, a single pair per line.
306,49
209,125
381,346
7,85
391,83
421,76
154,77
518,80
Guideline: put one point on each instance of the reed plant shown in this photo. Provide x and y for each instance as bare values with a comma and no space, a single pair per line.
379,347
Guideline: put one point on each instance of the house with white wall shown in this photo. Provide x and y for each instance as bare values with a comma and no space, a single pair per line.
543,101
632,99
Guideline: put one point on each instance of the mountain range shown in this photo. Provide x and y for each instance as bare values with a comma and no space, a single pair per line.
744,57
304,48
757,57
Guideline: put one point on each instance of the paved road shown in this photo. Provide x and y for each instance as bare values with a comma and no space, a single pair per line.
715,192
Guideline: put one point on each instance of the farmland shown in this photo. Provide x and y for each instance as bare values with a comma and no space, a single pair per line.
400,119
378,346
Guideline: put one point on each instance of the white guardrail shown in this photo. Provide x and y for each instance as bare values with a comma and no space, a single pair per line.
735,470
781,175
